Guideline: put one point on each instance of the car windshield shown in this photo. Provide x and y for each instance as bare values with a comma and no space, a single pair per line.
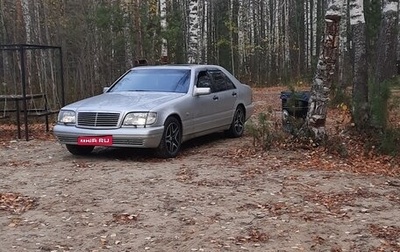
154,80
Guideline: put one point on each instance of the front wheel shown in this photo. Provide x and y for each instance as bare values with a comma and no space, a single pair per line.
171,140
237,125
79,150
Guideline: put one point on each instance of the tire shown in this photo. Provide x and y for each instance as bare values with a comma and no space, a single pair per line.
237,125
79,150
286,125
171,140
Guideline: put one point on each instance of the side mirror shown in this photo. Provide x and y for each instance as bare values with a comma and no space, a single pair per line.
202,91
105,89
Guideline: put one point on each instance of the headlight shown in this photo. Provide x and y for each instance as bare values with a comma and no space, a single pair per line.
139,119
67,117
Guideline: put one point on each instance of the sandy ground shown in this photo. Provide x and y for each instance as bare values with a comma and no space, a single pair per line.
208,199
216,196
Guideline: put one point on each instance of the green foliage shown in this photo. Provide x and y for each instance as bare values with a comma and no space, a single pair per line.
388,142
106,16
340,98
386,139
379,97
174,34
264,130
380,135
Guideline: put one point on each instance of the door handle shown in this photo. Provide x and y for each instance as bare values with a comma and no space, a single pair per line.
234,94
215,98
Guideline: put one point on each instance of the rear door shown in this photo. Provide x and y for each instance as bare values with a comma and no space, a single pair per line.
226,94
215,109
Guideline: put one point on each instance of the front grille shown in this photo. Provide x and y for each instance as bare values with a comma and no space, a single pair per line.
116,141
67,139
126,142
98,119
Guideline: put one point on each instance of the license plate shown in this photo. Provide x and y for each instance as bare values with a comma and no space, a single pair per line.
95,140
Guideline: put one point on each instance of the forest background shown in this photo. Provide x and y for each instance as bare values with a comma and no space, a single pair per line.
263,43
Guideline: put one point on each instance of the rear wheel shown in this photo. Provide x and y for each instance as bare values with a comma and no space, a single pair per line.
171,140
79,150
237,126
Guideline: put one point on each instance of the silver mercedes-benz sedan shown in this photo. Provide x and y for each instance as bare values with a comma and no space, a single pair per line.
157,107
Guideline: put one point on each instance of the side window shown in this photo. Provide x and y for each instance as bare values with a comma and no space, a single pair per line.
203,80
229,83
219,81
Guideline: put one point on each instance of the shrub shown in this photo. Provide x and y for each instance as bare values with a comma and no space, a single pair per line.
265,130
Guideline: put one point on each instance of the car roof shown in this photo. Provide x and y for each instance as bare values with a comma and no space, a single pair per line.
176,66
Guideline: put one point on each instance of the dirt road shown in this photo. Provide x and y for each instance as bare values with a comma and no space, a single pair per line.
216,196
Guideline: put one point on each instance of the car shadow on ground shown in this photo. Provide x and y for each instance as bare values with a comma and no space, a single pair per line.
188,148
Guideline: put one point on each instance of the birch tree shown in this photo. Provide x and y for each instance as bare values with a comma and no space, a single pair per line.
343,59
193,32
163,23
243,38
322,82
360,69
204,31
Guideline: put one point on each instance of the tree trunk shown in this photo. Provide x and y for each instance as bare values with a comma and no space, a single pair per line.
163,23
125,7
322,82
385,67
193,32
360,72
343,60
139,52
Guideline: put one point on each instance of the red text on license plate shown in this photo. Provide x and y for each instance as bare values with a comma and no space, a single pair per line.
95,140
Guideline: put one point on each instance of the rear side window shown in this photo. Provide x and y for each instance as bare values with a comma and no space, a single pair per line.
221,82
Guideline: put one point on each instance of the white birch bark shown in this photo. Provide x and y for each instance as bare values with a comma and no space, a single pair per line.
193,42
287,34
27,20
202,27
241,33
314,26
251,26
163,23
343,52
307,36
205,31
320,90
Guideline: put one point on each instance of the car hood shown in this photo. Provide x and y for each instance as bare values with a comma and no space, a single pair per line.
124,101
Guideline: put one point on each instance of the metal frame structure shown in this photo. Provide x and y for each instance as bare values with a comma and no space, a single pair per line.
22,48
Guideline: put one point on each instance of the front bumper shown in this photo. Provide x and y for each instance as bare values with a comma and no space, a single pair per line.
122,137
